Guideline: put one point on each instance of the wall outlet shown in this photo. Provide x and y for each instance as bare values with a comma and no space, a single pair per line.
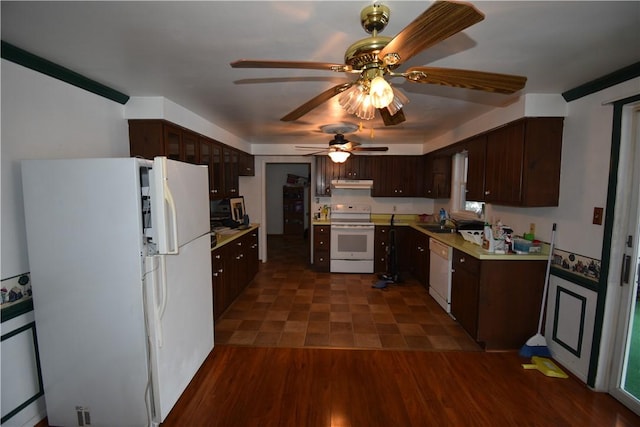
394,208
532,229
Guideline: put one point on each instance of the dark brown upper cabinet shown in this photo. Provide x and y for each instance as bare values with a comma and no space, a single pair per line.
522,163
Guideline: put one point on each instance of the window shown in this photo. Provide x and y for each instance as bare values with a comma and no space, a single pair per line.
461,205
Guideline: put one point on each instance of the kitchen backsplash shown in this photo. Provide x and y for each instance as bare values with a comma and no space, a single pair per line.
379,205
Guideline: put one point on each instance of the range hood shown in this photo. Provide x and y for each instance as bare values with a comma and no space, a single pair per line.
353,184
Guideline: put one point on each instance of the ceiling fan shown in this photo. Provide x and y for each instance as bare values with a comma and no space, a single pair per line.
341,148
376,57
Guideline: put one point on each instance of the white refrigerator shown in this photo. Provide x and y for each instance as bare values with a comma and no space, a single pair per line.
120,262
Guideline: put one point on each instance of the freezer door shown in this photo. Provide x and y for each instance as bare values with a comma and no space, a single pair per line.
179,309
179,203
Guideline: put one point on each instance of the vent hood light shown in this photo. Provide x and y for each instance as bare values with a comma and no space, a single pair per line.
353,184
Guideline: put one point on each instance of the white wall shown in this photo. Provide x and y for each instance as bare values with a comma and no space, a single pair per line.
44,118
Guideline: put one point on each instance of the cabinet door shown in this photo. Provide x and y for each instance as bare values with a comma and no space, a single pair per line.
321,247
146,138
396,176
253,256
476,168
382,176
230,170
421,257
542,161
381,242
205,158
173,142
437,176
190,147
324,174
221,293
503,166
356,167
407,174
216,172
247,165
464,291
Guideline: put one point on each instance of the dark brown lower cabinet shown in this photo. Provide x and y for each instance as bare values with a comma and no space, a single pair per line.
497,301
321,247
233,266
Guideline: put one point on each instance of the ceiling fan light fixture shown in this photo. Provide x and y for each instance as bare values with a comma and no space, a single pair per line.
380,92
399,101
366,110
352,98
339,156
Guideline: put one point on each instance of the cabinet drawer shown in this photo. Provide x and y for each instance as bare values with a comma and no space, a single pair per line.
322,230
466,262
321,260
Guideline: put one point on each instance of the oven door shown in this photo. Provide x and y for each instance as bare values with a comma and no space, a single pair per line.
352,241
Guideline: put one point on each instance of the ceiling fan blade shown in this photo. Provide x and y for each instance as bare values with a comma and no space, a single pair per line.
439,22
479,80
314,102
390,120
371,149
306,65
307,148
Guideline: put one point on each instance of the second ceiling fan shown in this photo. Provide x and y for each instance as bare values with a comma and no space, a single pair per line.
375,57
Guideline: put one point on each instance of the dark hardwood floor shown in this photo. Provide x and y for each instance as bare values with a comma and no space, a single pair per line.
251,385
243,386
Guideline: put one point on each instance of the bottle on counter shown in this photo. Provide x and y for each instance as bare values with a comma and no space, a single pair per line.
488,243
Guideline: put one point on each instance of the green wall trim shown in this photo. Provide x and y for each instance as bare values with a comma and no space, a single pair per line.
36,63
32,327
612,79
575,279
16,309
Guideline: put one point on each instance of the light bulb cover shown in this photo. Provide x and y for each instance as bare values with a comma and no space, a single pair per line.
339,156
380,92
399,101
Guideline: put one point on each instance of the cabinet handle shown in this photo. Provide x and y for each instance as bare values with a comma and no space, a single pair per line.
217,256
462,260
215,274
486,193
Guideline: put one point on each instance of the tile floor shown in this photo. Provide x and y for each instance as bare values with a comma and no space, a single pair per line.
288,304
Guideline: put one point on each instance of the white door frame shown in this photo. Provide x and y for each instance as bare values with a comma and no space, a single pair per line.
628,195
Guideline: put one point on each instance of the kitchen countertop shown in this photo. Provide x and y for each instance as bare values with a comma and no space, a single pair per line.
232,234
452,239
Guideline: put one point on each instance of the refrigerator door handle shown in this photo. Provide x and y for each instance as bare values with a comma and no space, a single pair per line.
156,296
160,300
165,209
172,220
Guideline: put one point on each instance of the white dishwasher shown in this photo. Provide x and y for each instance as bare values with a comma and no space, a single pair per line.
440,266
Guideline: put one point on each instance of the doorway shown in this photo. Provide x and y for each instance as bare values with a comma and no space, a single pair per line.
625,381
288,202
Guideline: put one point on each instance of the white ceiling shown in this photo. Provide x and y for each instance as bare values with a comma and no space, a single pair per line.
182,50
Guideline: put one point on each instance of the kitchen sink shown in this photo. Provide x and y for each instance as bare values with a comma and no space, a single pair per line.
437,228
